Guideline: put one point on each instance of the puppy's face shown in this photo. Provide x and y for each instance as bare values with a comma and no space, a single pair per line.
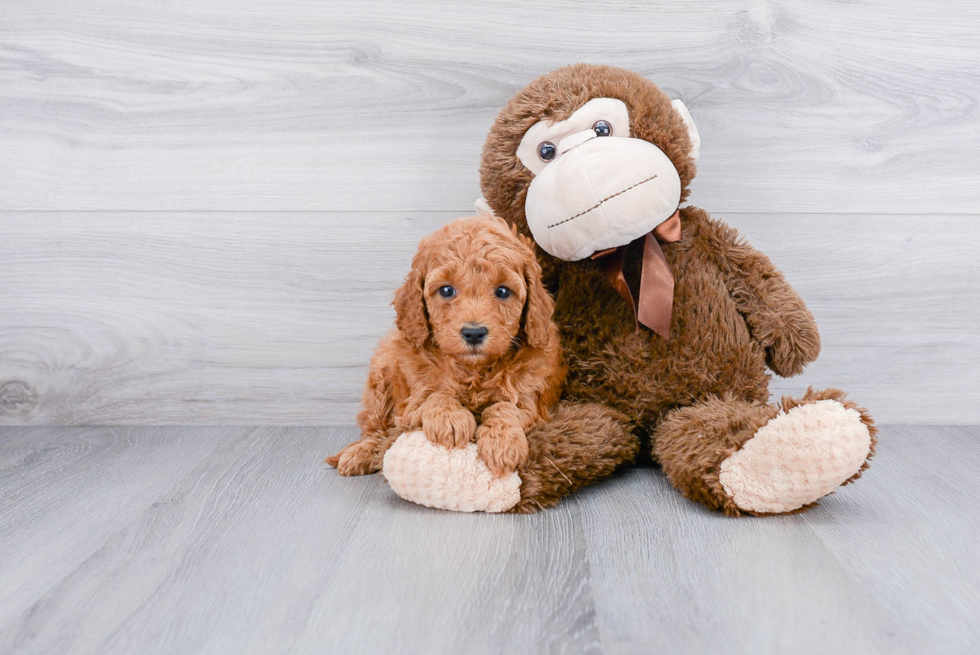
475,296
475,289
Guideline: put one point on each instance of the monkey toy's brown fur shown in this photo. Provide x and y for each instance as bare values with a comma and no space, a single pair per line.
694,399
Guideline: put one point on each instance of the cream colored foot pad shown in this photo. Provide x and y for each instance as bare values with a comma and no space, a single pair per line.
424,473
797,458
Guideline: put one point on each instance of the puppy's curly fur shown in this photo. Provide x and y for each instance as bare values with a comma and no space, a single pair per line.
474,273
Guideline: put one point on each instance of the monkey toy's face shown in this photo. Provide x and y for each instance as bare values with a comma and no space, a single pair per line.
589,158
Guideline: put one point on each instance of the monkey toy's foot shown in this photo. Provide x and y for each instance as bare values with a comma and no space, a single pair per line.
750,458
797,458
581,443
457,479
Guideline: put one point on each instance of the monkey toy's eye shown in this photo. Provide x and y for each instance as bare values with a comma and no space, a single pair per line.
502,292
602,128
546,151
447,291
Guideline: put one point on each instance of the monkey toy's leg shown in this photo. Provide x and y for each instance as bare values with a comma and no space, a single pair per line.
581,443
741,457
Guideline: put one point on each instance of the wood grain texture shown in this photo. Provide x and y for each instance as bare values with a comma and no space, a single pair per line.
918,471
206,318
242,318
886,565
896,299
208,540
840,137
282,105
259,547
667,573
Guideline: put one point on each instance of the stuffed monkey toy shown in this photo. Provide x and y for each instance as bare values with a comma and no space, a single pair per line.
668,319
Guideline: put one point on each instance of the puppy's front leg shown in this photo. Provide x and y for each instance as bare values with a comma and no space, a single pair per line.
501,440
446,422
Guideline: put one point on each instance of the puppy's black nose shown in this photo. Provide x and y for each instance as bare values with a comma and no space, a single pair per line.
474,334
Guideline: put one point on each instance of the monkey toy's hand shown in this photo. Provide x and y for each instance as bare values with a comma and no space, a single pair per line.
792,342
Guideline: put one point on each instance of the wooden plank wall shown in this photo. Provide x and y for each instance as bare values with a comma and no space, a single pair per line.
206,206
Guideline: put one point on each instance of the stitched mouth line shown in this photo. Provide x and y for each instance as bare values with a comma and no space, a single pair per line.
596,206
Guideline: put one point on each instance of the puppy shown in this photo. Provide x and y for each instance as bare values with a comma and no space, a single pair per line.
475,353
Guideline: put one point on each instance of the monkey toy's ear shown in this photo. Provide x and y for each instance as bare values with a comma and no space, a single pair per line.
692,131
482,207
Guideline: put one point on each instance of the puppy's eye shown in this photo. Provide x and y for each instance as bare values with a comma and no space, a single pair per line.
547,151
602,128
447,291
502,292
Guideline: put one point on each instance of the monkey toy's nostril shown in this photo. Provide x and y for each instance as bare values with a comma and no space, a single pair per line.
474,334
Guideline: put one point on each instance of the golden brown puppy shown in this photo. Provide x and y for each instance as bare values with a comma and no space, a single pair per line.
474,343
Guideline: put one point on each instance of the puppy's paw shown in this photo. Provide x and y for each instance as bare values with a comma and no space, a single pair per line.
359,458
503,447
449,427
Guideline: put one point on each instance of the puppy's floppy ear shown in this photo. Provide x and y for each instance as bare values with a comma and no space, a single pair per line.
411,318
539,306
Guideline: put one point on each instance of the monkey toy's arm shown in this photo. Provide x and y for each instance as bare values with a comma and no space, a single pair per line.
777,317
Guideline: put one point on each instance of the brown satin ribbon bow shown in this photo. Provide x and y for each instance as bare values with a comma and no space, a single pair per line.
656,280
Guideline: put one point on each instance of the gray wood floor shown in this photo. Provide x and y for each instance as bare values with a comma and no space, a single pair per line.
238,540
